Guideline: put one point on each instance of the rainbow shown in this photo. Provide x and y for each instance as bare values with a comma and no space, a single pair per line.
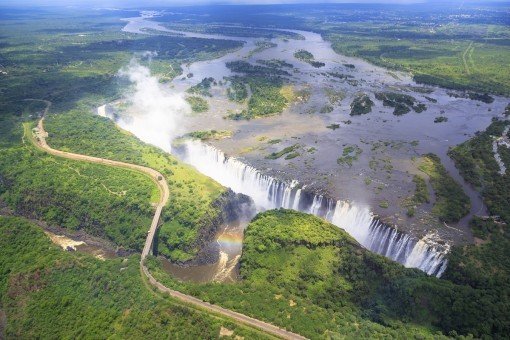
230,240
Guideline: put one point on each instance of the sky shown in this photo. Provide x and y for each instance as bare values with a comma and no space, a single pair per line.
148,3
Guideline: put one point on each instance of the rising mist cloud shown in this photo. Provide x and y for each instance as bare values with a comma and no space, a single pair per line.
156,113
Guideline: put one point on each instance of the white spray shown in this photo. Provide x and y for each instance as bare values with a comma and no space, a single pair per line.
155,116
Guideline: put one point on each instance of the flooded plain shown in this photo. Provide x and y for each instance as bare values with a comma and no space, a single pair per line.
389,146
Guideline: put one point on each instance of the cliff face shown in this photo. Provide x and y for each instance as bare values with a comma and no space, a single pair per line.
229,207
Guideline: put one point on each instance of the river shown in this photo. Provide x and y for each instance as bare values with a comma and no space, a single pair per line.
318,171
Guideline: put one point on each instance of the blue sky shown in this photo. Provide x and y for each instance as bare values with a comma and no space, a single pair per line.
134,3
148,3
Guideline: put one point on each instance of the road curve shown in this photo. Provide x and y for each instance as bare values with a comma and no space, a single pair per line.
159,179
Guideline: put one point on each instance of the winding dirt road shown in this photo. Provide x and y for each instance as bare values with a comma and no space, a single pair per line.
40,142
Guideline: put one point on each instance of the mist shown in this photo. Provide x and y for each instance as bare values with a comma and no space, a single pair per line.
156,115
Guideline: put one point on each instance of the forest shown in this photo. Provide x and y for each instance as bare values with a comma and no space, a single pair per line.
49,59
48,293
107,202
266,84
321,281
476,163
190,207
451,202
458,47
296,271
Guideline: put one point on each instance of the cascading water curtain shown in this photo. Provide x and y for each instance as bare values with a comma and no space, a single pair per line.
270,193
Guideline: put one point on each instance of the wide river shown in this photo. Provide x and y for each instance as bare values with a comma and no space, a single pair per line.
406,136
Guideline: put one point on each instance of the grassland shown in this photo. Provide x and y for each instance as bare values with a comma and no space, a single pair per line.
48,293
448,57
451,201
198,104
289,150
350,154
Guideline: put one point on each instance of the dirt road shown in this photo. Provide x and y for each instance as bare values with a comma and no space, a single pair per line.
40,142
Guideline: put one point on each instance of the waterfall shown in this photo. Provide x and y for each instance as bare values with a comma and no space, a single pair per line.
297,197
269,193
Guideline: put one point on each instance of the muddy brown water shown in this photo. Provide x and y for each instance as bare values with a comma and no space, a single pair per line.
228,245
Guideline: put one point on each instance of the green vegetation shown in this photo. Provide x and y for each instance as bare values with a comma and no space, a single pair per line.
333,126
286,151
314,279
326,109
191,206
384,204
362,104
72,59
237,91
507,111
453,56
430,99
66,56
484,228
267,90
440,119
334,96
485,98
261,46
350,154
402,103
234,31
48,293
308,57
292,155
303,95
210,134
476,163
340,75
303,55
297,271
198,104
421,194
485,267
451,201
275,63
203,87
103,201
241,66
480,97
266,98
